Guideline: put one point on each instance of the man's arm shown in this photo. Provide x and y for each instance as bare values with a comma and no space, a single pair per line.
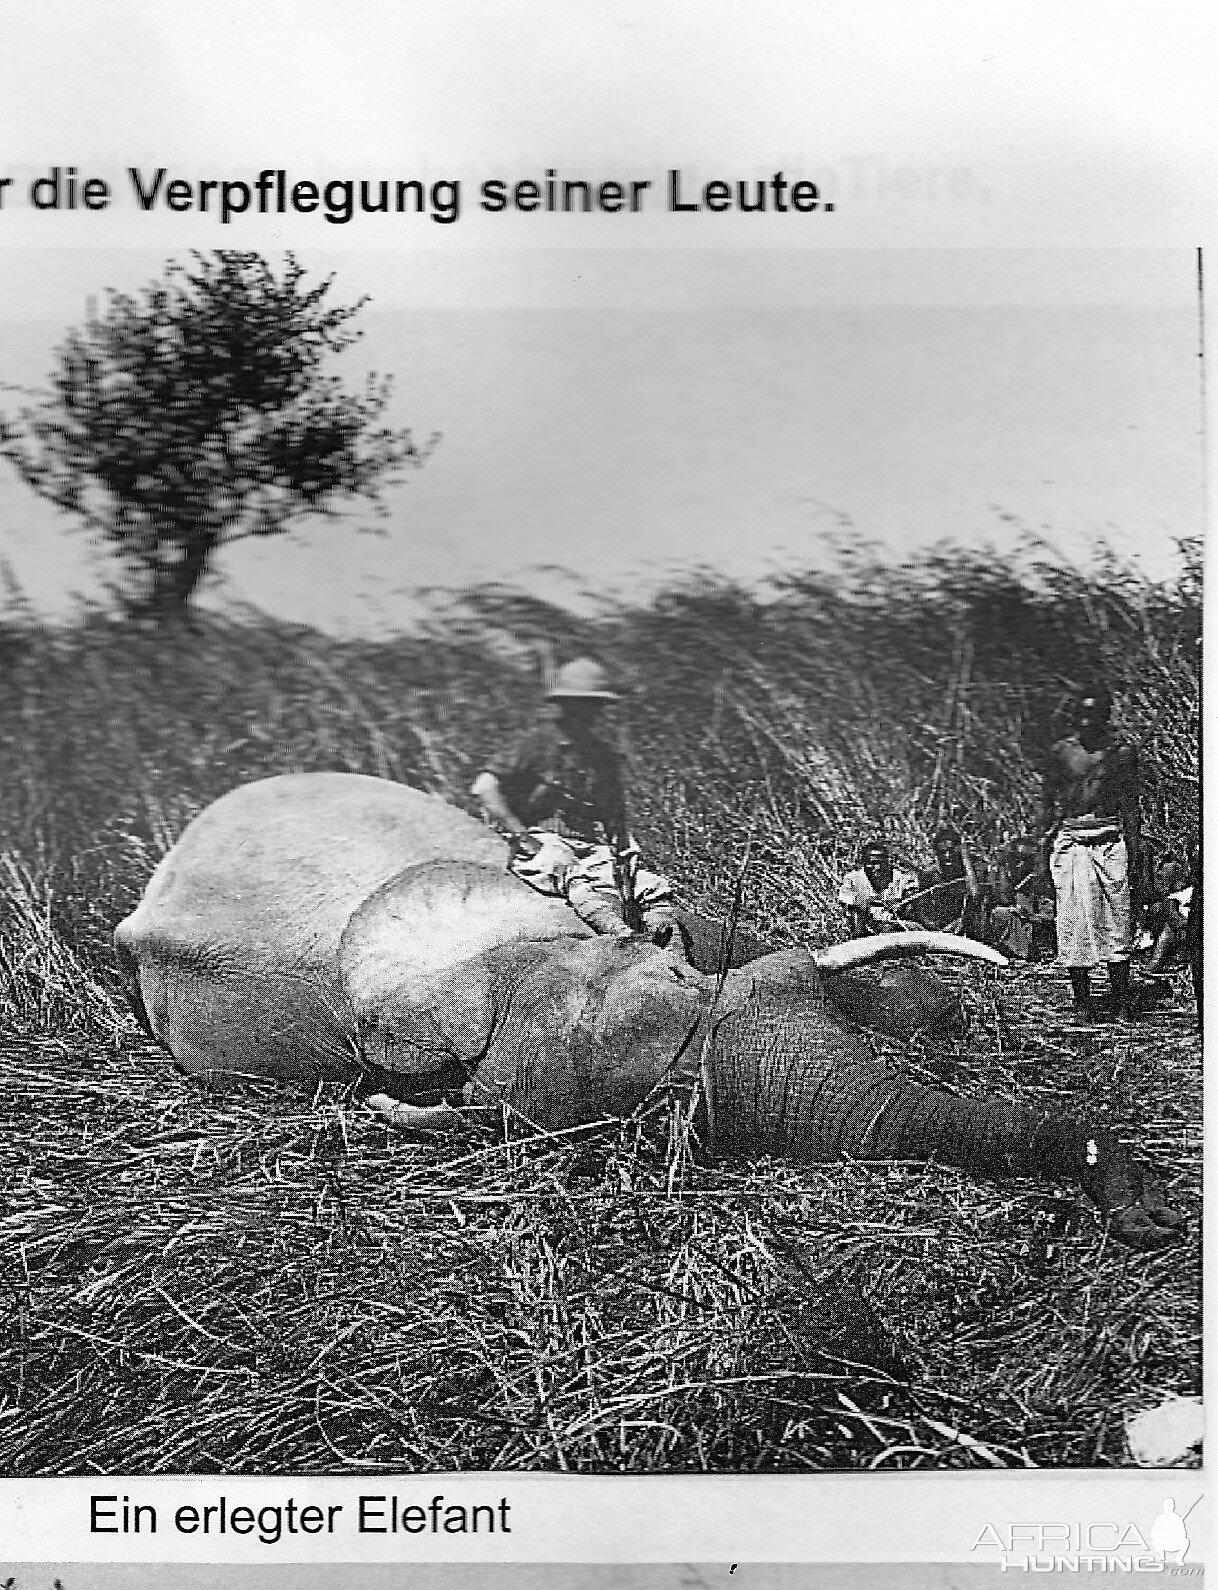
1046,812
882,913
487,790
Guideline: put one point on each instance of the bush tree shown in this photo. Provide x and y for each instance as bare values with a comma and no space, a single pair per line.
195,413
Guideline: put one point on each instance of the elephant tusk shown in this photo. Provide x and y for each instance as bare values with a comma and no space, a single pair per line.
415,1117
892,946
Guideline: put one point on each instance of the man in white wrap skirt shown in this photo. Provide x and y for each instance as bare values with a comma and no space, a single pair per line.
1090,831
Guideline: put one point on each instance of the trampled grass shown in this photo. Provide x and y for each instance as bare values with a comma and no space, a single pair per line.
260,1281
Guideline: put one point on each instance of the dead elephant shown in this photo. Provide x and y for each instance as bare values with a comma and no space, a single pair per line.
332,925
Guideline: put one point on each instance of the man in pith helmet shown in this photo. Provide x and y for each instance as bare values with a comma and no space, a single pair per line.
559,796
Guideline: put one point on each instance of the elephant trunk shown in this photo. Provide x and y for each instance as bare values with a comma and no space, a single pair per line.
888,1118
802,1089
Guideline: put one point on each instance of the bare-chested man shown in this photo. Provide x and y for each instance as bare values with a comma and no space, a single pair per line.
1090,837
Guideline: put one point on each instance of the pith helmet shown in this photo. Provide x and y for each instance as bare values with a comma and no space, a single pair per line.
581,678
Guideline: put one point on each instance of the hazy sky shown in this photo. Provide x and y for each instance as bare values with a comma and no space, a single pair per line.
996,325
622,414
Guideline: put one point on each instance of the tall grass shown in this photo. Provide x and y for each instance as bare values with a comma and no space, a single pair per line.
207,1282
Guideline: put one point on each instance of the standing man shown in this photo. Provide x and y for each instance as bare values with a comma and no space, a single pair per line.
559,797
1091,840
870,894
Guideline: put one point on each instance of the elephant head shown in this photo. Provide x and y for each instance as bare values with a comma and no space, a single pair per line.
899,1002
465,1003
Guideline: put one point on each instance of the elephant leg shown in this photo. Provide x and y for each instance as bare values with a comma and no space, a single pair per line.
416,1078
710,948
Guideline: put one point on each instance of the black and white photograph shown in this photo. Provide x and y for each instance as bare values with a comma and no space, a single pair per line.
600,833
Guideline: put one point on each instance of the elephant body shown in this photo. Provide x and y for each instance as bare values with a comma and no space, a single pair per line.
331,925
234,946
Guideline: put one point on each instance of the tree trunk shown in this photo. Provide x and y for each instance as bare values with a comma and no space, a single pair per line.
174,584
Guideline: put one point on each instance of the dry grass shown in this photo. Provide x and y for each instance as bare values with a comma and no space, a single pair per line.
257,1281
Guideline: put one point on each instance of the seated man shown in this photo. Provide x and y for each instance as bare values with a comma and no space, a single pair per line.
1022,905
950,898
871,892
558,796
1165,917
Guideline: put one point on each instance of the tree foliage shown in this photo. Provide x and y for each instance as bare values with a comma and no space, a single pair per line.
195,413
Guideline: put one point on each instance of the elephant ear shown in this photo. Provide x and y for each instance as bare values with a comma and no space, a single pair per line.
416,959
791,975
593,1030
